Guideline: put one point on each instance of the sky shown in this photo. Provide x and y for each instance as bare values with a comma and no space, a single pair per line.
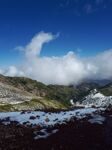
37,36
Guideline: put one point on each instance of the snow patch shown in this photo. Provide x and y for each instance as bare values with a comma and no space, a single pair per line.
97,119
97,99
44,119
98,95
72,102
42,134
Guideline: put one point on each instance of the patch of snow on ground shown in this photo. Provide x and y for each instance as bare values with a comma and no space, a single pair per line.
98,95
45,119
97,119
72,102
96,99
42,134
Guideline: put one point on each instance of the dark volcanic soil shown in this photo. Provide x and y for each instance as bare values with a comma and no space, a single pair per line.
76,135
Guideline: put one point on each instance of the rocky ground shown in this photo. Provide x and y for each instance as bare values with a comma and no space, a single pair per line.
15,99
76,134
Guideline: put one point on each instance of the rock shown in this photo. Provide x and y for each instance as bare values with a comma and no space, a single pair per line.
32,117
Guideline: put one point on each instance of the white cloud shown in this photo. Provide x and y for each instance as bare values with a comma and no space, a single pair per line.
1,71
68,69
13,71
33,49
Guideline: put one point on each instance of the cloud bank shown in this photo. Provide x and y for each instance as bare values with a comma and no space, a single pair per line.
64,70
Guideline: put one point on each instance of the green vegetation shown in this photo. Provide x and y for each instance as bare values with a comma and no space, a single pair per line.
29,85
7,107
107,90
61,93
34,104
40,104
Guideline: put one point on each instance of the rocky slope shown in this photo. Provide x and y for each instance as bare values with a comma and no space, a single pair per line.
96,99
25,94
55,92
14,95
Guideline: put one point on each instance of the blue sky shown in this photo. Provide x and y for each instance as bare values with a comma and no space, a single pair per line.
82,24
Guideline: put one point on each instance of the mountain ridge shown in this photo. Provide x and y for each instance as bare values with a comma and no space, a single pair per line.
42,96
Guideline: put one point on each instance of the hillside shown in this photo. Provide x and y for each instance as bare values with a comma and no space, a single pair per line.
37,115
20,93
56,92
24,94
107,89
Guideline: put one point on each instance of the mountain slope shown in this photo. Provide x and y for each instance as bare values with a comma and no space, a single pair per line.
107,89
12,95
25,93
15,95
97,99
55,92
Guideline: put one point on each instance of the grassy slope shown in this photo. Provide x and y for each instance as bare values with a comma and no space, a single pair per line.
33,105
106,90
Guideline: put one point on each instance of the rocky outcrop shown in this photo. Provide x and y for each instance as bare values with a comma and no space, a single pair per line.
97,99
11,95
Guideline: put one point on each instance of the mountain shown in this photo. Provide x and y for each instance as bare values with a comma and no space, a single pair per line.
25,90
25,84
20,93
96,99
